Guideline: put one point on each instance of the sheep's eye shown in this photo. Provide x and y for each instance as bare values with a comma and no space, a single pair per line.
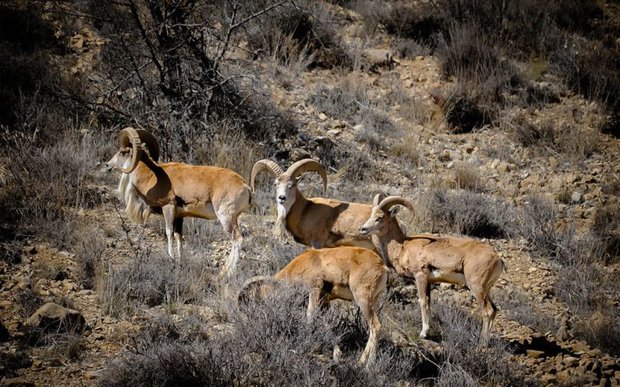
379,219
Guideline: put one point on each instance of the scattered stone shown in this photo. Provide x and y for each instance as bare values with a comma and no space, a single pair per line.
91,375
299,154
576,197
55,317
548,379
534,354
446,155
570,360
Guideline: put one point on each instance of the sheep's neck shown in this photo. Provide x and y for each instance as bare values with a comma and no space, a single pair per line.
153,167
391,245
294,214
153,183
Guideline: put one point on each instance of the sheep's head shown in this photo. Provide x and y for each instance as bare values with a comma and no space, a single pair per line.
286,182
255,289
133,143
382,214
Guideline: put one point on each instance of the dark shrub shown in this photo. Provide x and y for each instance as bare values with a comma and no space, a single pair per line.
468,213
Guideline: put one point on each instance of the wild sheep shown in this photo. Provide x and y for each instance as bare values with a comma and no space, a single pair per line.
346,273
432,258
178,190
315,222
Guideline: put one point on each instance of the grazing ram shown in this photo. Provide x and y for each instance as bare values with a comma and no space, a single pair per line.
315,222
346,273
431,258
178,190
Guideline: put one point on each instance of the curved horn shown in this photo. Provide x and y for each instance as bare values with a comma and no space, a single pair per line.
249,289
390,201
264,165
377,199
129,136
150,142
306,165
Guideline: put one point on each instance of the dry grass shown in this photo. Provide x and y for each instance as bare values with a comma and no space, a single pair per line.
465,212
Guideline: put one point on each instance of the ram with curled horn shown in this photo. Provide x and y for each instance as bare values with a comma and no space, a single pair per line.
178,190
315,222
430,258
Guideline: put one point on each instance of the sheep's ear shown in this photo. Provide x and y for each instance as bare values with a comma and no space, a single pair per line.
394,210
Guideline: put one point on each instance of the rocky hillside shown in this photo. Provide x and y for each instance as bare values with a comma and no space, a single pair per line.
498,122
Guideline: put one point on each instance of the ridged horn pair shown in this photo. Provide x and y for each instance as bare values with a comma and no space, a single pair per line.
139,140
294,171
390,201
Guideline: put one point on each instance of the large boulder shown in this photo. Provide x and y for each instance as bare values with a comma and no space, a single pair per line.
54,317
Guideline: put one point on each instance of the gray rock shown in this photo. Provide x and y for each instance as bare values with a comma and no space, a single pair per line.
53,317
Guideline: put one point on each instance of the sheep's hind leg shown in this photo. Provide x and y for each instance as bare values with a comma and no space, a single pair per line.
365,302
421,280
232,228
178,236
169,212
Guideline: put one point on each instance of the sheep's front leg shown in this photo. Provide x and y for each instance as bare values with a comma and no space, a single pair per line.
314,298
421,280
230,225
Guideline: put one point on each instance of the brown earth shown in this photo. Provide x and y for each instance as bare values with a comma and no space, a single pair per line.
553,357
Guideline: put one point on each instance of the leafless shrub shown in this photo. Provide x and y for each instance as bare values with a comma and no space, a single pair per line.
89,253
589,290
611,185
10,251
29,301
466,212
464,111
410,48
264,343
153,279
528,134
522,307
64,347
400,18
466,176
606,226
601,81
48,184
343,101
537,224
492,365
307,23
408,152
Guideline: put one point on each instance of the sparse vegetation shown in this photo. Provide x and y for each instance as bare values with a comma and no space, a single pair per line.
466,212
534,88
